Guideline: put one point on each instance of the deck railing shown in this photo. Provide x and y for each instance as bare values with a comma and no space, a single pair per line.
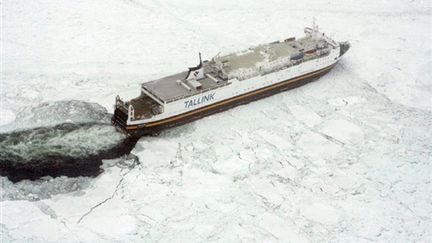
125,107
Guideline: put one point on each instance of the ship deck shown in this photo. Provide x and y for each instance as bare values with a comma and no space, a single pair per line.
168,89
269,52
143,106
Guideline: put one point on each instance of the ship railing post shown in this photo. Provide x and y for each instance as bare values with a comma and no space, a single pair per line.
118,101
131,113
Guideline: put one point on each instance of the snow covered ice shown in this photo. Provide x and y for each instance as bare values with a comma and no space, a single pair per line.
344,159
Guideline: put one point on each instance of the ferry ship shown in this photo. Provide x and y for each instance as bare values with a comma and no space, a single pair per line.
227,81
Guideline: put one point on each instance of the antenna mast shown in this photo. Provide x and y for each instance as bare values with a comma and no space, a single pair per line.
314,28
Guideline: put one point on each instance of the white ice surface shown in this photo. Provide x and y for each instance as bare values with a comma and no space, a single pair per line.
6,117
345,159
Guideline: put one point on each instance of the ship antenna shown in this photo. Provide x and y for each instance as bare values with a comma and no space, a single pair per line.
314,25
199,53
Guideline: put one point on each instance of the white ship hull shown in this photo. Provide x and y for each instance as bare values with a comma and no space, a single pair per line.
232,93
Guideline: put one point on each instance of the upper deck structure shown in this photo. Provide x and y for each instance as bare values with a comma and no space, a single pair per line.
175,87
241,65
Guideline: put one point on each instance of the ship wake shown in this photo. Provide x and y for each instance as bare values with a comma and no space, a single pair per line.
67,148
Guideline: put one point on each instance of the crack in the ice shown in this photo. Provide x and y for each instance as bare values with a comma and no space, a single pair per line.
102,202
118,186
267,232
215,234
329,138
44,208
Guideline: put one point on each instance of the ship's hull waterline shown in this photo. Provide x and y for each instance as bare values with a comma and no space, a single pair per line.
156,127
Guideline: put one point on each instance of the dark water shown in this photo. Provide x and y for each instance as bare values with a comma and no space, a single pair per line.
73,142
65,149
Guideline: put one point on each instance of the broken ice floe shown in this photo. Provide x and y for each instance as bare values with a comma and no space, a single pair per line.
54,113
41,189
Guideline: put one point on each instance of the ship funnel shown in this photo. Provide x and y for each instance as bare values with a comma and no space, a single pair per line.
196,72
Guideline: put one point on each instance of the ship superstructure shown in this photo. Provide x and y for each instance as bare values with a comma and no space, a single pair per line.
227,81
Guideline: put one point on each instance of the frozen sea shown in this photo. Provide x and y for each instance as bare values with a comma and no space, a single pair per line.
344,159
